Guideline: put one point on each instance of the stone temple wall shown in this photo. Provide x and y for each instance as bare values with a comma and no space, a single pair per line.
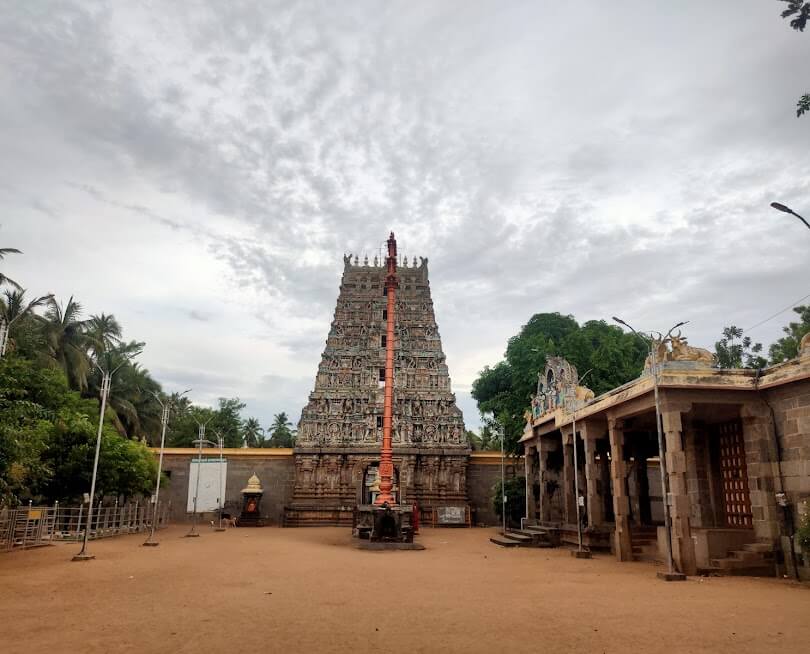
276,471
274,467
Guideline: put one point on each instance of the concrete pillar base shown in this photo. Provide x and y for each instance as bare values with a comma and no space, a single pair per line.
83,557
671,576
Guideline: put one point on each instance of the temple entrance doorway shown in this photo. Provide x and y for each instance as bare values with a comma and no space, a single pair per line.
643,481
371,484
731,470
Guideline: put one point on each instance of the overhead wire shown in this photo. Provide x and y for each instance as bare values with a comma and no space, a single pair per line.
781,311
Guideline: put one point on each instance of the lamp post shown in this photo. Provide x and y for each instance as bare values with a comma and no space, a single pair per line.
220,442
671,575
784,209
193,533
580,553
106,382
503,482
167,407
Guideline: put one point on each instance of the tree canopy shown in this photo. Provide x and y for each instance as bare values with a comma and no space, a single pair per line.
50,400
503,392
281,431
799,13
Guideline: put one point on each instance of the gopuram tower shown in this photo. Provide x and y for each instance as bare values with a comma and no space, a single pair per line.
340,434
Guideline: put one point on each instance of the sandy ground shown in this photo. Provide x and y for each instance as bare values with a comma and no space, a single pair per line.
296,590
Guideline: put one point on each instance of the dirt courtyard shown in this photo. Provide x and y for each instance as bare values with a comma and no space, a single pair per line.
310,590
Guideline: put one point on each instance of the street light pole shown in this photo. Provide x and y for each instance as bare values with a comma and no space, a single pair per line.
220,442
5,326
662,466
503,482
166,406
784,209
580,553
200,439
106,382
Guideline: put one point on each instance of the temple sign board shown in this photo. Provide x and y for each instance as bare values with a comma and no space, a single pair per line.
208,497
451,515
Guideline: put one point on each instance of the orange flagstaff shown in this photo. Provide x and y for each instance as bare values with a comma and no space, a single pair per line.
386,460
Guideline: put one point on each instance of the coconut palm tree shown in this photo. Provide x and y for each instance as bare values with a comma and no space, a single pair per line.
14,308
3,278
130,388
104,333
252,433
66,341
281,431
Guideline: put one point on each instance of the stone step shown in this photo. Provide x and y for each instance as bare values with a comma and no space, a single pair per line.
764,548
536,529
733,567
646,558
536,539
732,562
638,549
516,535
503,541
745,555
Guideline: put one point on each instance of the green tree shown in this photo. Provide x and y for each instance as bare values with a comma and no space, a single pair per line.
252,433
515,500
103,332
800,11
66,341
474,440
787,347
281,431
504,390
47,440
3,278
743,354
15,308
228,421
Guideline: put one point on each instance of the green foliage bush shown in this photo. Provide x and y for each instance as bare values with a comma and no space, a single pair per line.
48,436
515,500
803,532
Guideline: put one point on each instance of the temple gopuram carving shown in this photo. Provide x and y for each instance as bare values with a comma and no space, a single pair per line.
337,452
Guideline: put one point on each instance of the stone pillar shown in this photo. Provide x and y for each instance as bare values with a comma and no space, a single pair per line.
618,469
633,483
761,462
592,475
697,481
544,447
569,506
528,452
683,547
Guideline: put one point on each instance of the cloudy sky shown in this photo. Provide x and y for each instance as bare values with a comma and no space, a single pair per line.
199,168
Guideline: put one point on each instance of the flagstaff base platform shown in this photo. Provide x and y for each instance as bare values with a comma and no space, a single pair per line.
386,524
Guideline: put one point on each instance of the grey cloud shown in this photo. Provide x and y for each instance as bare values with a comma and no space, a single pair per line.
543,159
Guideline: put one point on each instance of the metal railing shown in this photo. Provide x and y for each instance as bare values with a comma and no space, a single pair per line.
34,526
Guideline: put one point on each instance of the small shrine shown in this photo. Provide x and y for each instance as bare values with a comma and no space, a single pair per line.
251,515
558,388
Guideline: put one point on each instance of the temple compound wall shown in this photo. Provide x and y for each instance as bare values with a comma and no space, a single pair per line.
275,468
736,462
337,450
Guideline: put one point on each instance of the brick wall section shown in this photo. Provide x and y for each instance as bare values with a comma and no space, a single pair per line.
791,407
276,471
